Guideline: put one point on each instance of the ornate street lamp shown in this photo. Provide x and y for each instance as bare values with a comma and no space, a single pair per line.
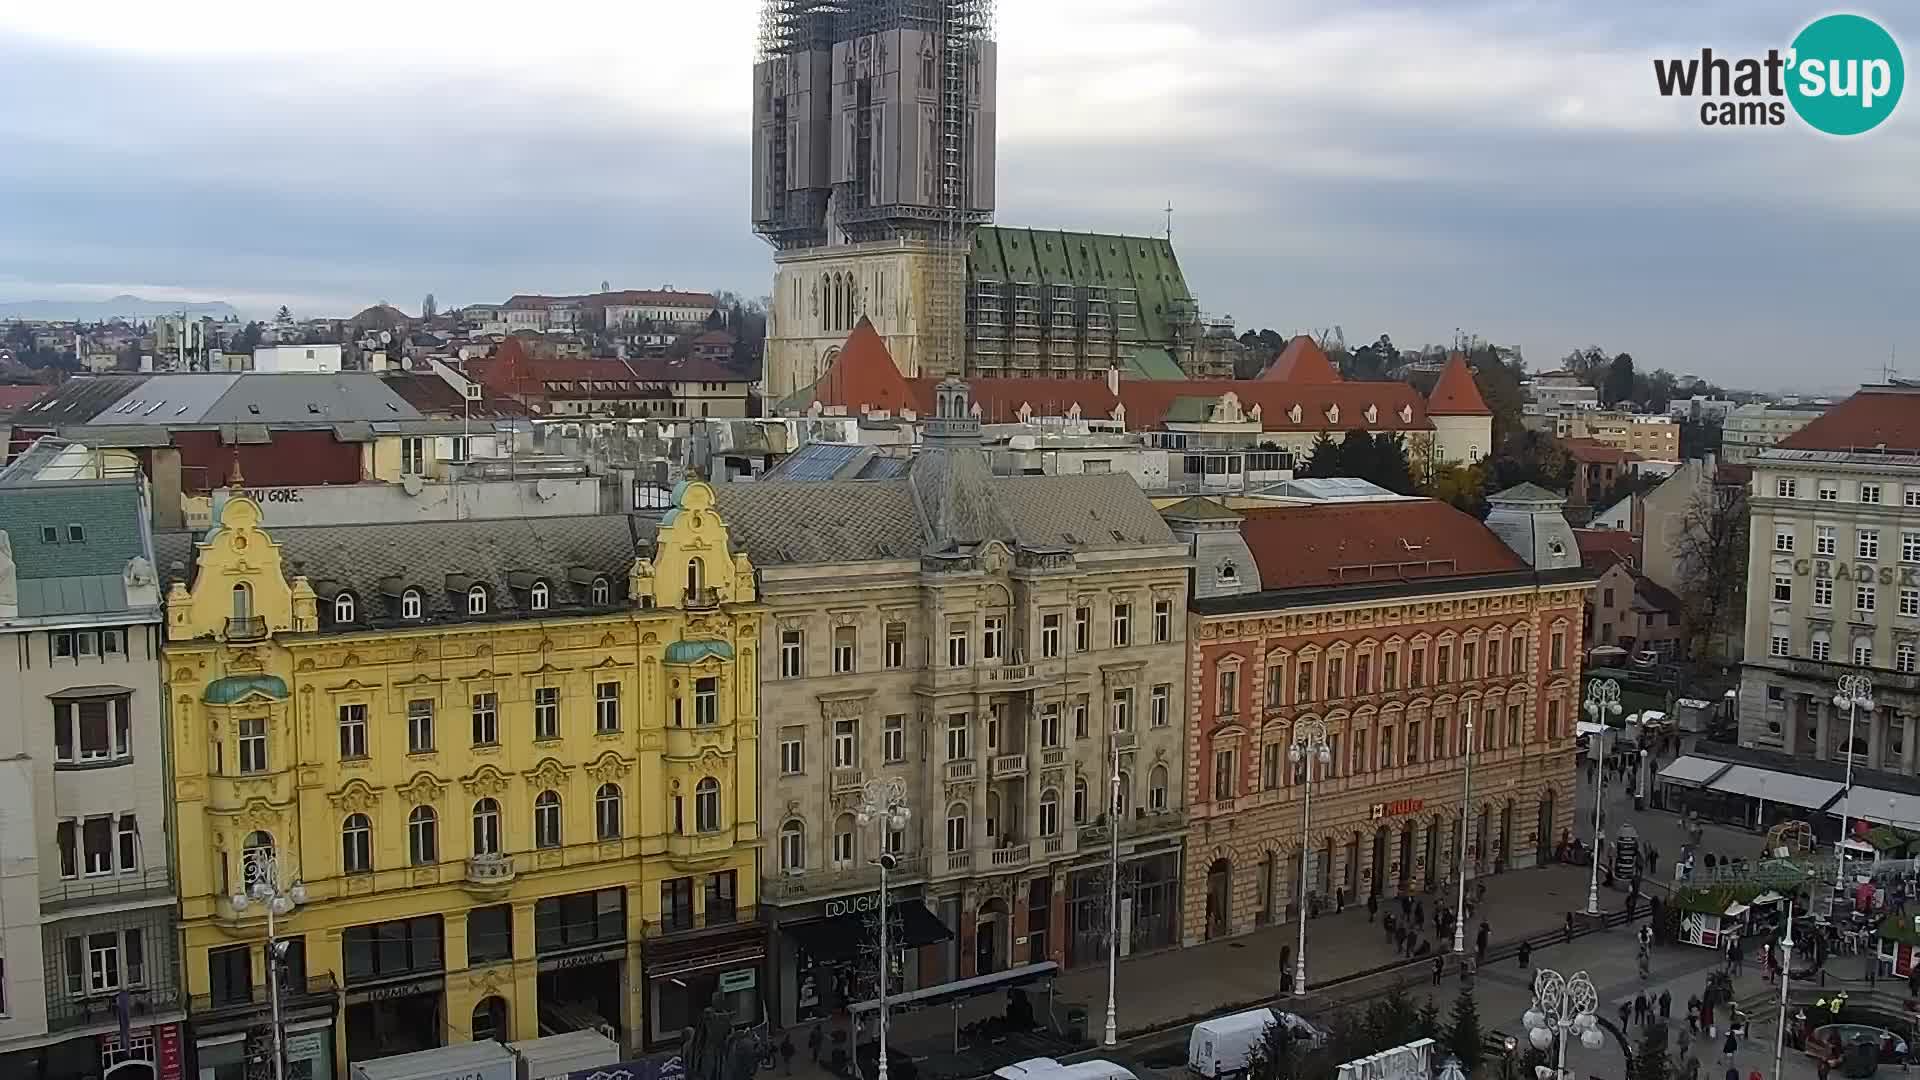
261,872
1567,1004
1113,899
1309,746
1855,693
884,801
1603,700
1466,807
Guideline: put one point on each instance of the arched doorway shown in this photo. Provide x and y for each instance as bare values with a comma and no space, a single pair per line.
1543,830
1380,862
1506,838
132,1070
1352,869
1219,898
1433,850
490,1019
1480,840
989,954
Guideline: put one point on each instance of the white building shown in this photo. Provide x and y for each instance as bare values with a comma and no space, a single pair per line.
273,358
1750,429
1556,390
1834,583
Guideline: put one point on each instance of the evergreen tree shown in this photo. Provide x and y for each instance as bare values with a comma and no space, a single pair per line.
1427,1024
1464,1037
1650,1060
1392,1019
1273,1057
1618,386
1324,459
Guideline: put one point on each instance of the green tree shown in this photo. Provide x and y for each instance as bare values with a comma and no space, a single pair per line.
1650,1060
1464,1037
1377,457
1427,1024
1464,487
1392,1018
1274,1056
1324,459
1618,386
249,338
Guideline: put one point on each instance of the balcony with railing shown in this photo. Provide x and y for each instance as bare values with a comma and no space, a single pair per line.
146,1005
962,769
1011,857
246,628
151,884
1135,826
959,862
847,780
488,872
702,597
839,879
1007,766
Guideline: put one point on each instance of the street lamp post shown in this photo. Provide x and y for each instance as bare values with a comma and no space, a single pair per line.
261,873
1786,965
1855,693
1309,746
1566,1003
1466,805
1113,900
884,801
1603,700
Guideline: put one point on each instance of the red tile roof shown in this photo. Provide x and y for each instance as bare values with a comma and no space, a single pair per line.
1302,361
1600,548
511,371
864,376
13,397
1874,418
1456,394
661,297
1360,543
1592,452
434,396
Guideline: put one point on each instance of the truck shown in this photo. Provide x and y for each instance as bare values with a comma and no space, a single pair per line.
555,1056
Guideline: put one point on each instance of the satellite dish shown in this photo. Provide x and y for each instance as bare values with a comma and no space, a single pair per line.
412,484
463,354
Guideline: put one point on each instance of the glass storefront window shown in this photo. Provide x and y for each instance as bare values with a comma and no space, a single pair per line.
584,918
679,1000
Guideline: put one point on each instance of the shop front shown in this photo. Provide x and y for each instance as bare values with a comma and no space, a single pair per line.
233,1033
1150,887
686,974
396,987
580,940
825,951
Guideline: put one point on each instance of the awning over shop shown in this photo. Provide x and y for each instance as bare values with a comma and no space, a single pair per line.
1806,792
1885,807
1690,771
843,936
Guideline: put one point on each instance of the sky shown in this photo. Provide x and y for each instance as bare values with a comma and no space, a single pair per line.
1500,167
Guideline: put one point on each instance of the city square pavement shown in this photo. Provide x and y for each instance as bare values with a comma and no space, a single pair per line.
1158,992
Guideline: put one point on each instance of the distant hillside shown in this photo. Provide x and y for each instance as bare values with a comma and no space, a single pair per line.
123,306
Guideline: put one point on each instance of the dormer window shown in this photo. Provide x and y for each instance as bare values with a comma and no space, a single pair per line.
1229,572
477,600
410,604
602,592
343,608
539,597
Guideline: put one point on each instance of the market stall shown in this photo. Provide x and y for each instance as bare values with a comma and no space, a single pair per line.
1711,917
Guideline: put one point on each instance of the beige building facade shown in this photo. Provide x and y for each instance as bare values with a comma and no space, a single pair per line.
989,644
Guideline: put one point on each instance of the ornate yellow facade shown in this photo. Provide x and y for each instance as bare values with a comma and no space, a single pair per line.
399,747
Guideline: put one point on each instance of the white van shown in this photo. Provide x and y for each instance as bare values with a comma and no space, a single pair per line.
1030,1069
1097,1069
1219,1047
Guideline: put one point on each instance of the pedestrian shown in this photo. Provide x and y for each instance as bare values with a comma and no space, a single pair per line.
1373,906
1419,914
813,1043
1386,923
1666,1006
1913,981
1569,927
786,1052
1439,967
1626,1016
1406,905
1339,899
1653,860
1480,942
1526,954
1286,960
1709,862
1727,1048
1693,1015
1640,1008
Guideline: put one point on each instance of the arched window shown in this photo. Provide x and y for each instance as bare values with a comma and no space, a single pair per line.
423,836
1050,812
1079,800
843,841
242,601
539,597
957,827
356,844
410,604
546,820
486,827
1157,789
343,608
1863,651
477,600
256,856
706,805
793,847
490,1019
695,572
602,593
606,811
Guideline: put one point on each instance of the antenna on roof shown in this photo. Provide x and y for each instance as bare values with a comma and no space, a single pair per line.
1169,213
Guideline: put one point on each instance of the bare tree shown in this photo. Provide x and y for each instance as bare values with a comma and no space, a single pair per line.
1712,553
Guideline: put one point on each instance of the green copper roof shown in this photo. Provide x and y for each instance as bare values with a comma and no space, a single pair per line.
1151,362
692,652
234,687
1055,257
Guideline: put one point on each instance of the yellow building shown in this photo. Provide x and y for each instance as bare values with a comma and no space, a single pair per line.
509,766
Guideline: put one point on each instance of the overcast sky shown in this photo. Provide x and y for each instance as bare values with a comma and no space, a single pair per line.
1398,167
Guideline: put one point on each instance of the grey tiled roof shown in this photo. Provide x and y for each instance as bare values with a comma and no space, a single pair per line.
863,520
443,558
68,576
